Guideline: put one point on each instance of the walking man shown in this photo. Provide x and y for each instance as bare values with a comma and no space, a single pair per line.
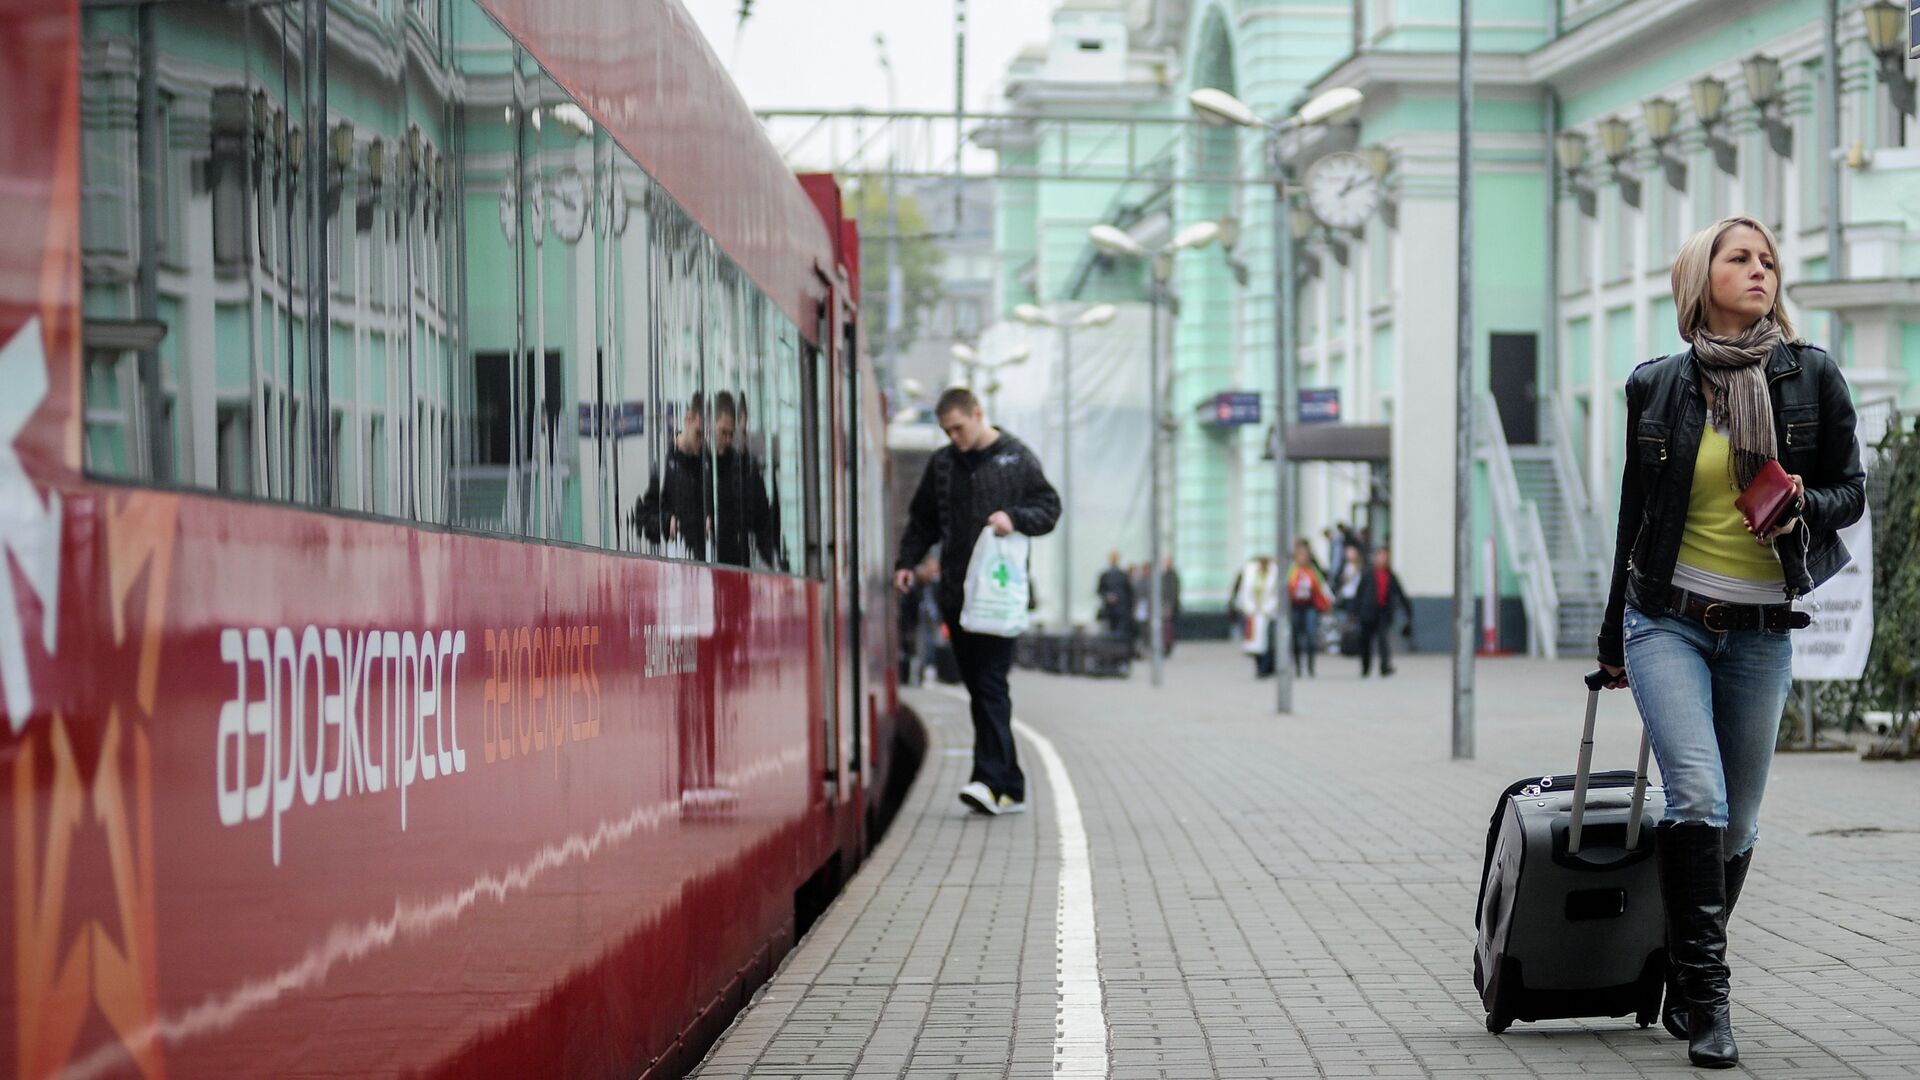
1116,597
1374,602
984,478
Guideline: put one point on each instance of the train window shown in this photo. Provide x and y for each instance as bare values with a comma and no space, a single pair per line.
379,292
372,217
675,514
147,284
784,447
757,430
743,519
812,438
632,306
482,186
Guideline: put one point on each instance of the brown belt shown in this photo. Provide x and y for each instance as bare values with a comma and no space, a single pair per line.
1721,616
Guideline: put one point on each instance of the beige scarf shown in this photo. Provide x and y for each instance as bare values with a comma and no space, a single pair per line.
1736,368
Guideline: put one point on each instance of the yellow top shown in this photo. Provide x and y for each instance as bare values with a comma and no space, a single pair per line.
1716,537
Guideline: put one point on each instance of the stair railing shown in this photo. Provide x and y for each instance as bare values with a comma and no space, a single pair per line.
1583,517
1519,523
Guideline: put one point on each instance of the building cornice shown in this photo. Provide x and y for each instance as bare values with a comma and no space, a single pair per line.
1602,39
1372,71
1883,293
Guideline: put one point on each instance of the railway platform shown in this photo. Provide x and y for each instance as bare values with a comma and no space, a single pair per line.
1205,889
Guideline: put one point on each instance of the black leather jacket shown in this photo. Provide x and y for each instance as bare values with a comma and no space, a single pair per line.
1813,426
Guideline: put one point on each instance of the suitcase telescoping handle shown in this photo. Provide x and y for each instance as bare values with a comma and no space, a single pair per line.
1597,681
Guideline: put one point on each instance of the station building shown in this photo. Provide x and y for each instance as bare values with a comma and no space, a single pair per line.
1605,132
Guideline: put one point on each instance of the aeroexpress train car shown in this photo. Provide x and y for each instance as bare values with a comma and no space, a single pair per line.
443,613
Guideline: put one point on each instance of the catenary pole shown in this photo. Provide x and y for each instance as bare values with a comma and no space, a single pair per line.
959,105
1066,476
1463,416
1153,470
1283,336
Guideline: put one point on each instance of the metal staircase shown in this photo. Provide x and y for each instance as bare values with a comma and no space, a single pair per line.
1572,542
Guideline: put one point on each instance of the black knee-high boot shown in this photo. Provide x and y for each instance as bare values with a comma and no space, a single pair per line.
1693,881
1673,1013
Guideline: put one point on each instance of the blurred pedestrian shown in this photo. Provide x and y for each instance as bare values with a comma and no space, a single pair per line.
1306,600
1169,604
1137,579
920,622
1336,550
985,478
1701,599
1374,603
1115,590
1255,605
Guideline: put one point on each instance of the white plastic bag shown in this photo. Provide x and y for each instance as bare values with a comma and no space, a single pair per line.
996,601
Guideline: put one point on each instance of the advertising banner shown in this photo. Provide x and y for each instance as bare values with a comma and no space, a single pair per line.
1835,647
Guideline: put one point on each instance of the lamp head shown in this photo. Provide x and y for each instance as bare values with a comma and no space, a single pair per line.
1616,138
1301,222
1098,315
1709,98
1570,150
1032,315
1763,78
1018,356
964,353
1325,107
1198,234
1660,115
1229,232
341,143
1221,108
1883,28
1115,241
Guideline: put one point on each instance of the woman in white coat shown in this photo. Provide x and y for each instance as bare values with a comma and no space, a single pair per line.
1256,604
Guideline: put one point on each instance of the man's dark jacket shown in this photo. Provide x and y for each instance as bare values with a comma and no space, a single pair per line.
1116,596
744,522
1367,608
1812,426
957,494
681,489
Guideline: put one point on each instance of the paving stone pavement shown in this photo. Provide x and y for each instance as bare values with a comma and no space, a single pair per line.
1293,896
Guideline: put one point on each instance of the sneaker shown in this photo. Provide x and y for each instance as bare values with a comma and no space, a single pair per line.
979,798
1010,805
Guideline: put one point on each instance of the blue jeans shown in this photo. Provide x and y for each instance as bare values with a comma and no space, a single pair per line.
1712,705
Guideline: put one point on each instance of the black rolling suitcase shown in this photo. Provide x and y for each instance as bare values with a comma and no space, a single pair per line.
1570,917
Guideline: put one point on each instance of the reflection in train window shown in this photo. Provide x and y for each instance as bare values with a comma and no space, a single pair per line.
447,296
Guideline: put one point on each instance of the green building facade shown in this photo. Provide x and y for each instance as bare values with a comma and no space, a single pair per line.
1578,212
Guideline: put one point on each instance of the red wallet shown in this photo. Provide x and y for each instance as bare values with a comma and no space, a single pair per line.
1766,500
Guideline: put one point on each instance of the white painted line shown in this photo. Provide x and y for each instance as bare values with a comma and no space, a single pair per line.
1080,1028
1080,1037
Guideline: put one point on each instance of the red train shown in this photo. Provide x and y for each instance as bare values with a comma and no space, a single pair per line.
443,612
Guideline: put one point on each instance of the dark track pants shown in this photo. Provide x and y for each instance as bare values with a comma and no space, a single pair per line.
1374,639
984,662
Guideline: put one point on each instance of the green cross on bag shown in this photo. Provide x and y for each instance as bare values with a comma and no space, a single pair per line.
1000,574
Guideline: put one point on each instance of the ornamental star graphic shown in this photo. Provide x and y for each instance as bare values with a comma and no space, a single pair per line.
29,528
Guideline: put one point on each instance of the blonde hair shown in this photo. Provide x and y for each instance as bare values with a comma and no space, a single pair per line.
1693,276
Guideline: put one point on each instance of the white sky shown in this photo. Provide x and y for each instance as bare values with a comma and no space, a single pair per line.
820,53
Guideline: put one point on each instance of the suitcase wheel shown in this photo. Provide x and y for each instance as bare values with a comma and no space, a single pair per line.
1497,1023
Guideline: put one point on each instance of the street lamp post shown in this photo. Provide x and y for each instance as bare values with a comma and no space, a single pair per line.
1098,315
896,276
970,360
1221,107
1113,241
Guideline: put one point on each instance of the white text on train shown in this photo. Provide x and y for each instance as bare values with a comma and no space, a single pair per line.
304,710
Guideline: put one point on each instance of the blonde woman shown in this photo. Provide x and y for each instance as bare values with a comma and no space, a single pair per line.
1701,602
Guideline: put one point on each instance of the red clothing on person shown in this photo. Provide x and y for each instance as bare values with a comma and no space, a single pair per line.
1380,580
